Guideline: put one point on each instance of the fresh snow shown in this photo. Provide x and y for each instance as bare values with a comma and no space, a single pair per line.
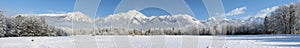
135,19
167,41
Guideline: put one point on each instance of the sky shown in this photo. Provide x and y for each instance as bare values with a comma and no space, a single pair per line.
233,8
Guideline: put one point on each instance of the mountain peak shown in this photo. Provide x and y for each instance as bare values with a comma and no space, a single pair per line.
133,11
126,15
76,16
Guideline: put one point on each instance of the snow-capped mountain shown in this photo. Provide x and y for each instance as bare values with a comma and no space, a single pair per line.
76,16
134,19
130,19
255,19
66,21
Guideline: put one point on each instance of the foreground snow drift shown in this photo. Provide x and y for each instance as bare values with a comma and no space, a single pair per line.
169,41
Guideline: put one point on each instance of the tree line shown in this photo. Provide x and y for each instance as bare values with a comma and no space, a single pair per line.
27,26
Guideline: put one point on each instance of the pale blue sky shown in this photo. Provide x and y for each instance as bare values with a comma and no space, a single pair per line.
107,7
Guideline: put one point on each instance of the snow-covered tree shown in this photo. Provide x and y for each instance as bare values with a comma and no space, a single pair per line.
296,26
192,30
27,26
3,27
282,20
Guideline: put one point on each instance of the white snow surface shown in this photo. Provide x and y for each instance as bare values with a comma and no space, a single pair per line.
161,41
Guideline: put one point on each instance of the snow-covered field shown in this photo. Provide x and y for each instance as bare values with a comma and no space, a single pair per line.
160,41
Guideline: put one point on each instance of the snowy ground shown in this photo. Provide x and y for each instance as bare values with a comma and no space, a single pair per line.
168,41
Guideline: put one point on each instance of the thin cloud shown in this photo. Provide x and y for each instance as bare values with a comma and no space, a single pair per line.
266,11
51,11
237,11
